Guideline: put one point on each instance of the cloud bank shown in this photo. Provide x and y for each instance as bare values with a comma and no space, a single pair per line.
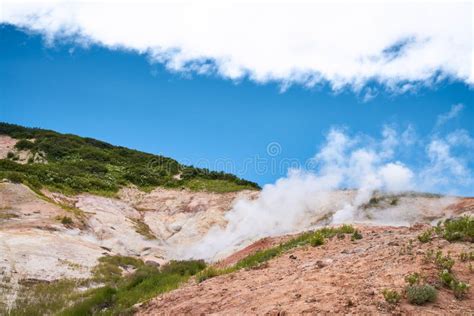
398,44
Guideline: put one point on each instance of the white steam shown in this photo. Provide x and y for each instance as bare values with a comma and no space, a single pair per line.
308,198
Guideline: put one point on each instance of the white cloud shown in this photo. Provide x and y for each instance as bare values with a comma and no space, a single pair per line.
400,44
453,113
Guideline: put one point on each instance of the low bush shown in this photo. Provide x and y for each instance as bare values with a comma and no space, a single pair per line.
446,278
391,296
444,262
459,229
413,278
425,236
460,289
317,240
356,235
24,144
66,220
208,274
421,294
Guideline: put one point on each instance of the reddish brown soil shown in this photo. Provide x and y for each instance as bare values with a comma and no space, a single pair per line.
340,277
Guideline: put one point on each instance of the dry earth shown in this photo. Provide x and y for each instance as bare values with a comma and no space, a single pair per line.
340,277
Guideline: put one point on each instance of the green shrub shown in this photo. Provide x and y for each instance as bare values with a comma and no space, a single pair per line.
421,294
460,289
14,177
346,229
459,229
447,278
208,273
24,144
425,236
413,278
66,220
183,267
391,296
356,235
317,239
444,262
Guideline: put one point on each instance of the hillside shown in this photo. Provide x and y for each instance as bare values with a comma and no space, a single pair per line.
71,164
341,275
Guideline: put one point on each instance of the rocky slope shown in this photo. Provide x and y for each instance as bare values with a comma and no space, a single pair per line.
340,277
52,236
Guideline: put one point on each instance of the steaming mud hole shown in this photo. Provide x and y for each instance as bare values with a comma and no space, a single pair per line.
341,277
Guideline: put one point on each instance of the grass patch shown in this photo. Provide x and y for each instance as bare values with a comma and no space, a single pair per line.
44,298
117,294
216,185
142,228
6,215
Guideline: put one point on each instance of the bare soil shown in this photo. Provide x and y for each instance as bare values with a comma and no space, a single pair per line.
340,277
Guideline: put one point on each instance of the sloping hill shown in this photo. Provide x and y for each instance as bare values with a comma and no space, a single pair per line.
344,275
72,164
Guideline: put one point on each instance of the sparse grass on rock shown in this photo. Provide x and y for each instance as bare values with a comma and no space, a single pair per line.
315,238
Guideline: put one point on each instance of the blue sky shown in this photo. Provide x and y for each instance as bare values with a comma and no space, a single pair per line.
123,97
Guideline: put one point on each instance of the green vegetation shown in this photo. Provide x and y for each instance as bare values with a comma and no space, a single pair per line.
391,296
66,220
460,289
458,229
444,262
77,164
6,215
43,298
425,236
466,256
143,229
217,185
446,275
413,278
317,239
116,294
255,260
356,235
417,292
421,294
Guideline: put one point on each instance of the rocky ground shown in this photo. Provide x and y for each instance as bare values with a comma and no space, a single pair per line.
340,277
